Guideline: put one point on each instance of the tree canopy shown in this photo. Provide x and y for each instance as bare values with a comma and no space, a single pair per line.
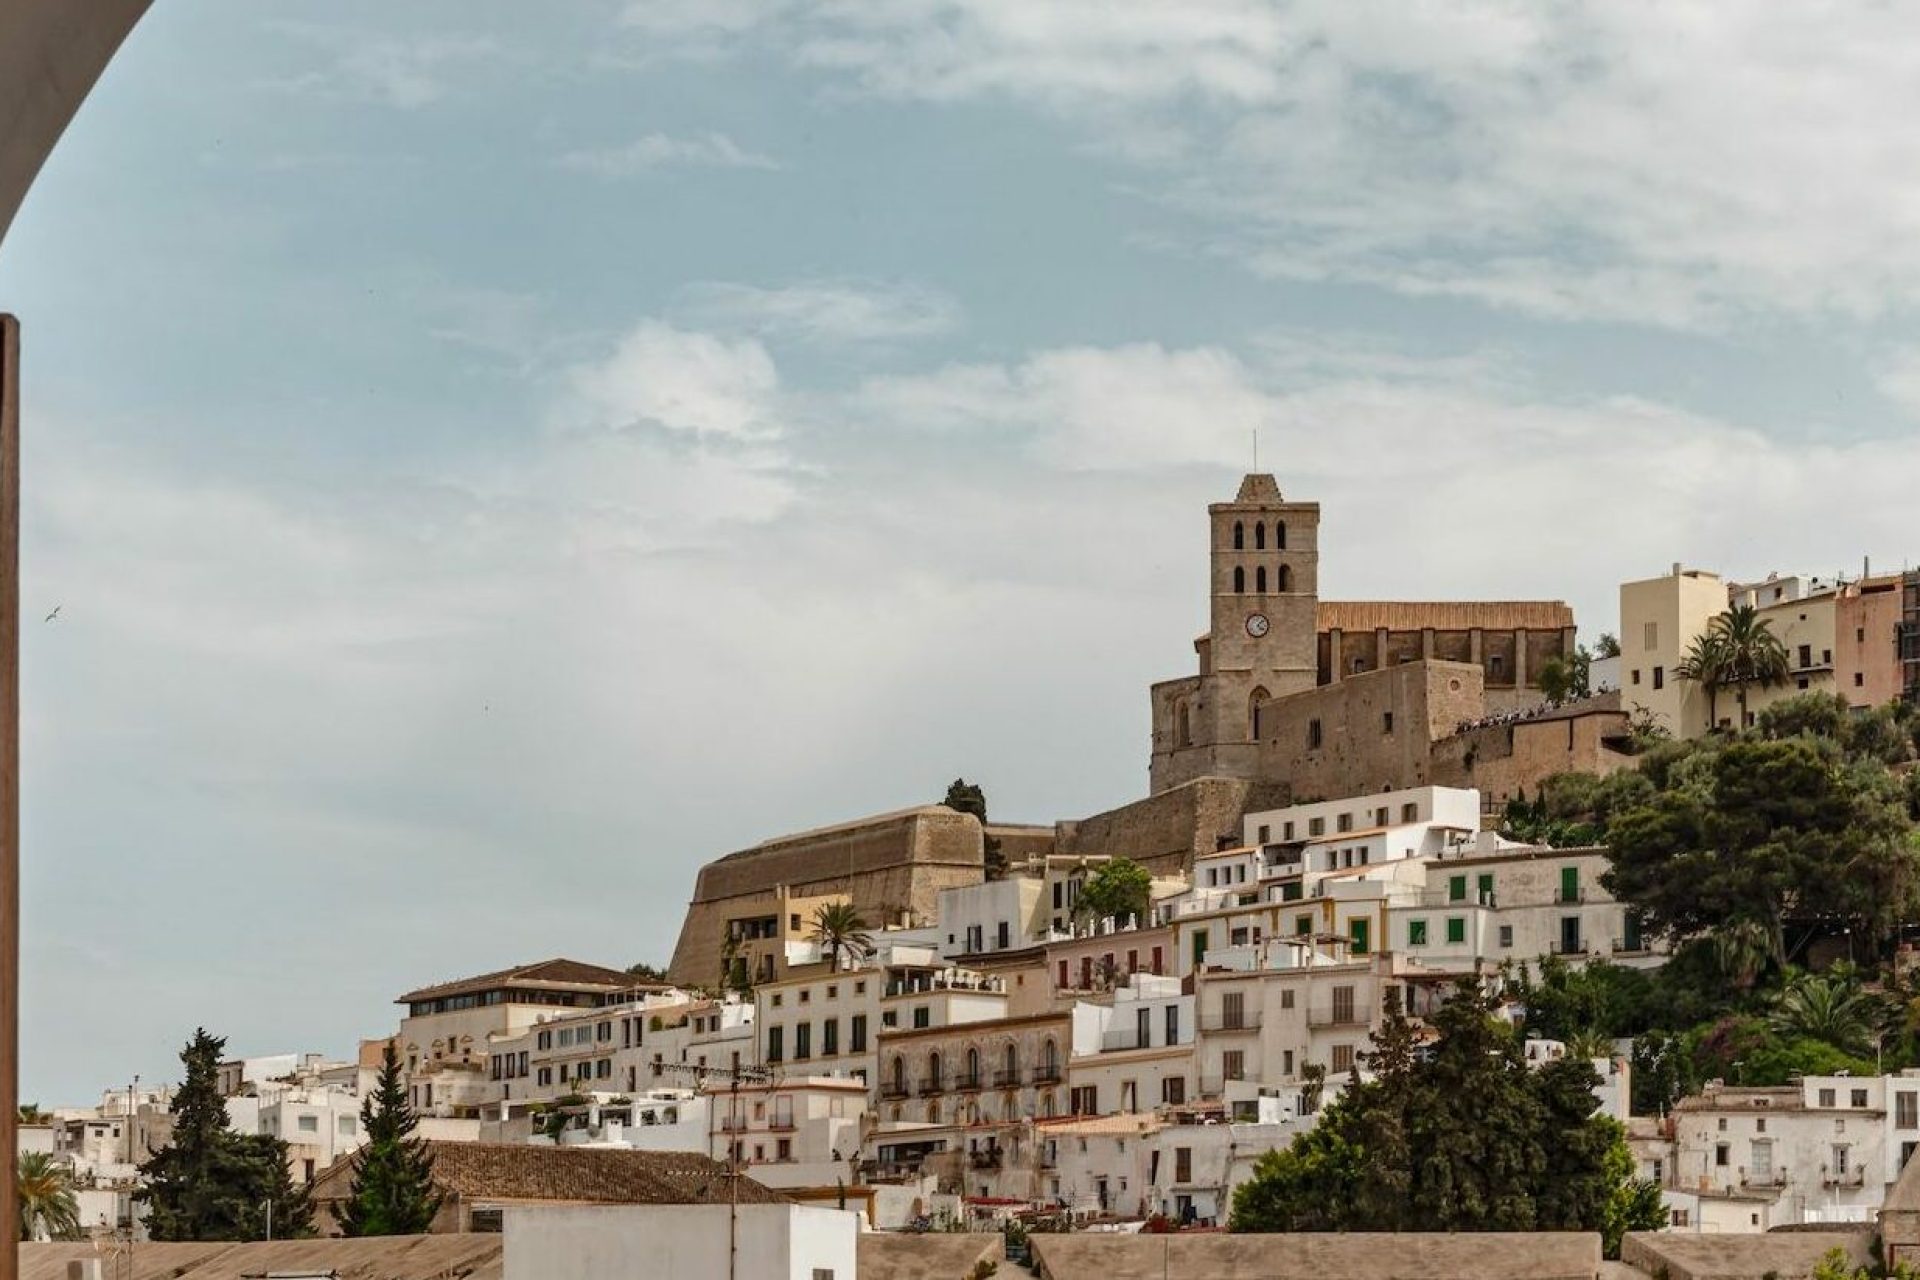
1455,1134
1119,887
392,1192
210,1183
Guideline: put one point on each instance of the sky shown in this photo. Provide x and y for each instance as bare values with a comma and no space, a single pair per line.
490,459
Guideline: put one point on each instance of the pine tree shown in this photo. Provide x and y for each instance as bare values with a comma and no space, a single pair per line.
210,1183
392,1192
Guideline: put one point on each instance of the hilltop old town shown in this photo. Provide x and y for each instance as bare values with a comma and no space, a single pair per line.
1442,883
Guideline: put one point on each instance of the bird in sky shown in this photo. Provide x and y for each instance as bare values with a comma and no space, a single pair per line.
56,613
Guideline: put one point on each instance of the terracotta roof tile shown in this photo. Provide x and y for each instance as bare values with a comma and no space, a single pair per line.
574,1175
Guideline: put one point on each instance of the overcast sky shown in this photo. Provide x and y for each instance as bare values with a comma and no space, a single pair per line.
492,458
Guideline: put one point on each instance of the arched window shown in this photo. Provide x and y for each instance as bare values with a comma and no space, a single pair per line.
1286,578
1182,724
1279,535
1256,703
1260,580
973,1069
1010,1071
933,1071
1239,536
1260,536
1049,1056
899,1074
1239,581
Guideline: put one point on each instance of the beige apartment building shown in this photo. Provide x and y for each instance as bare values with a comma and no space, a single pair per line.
1841,638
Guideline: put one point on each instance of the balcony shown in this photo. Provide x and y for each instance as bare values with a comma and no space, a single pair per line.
930,1085
782,1124
1245,1020
1569,947
1047,1073
968,1082
1007,1078
894,1090
1854,1177
1445,898
986,1158
1561,898
1764,1178
1630,947
1337,1016
733,1124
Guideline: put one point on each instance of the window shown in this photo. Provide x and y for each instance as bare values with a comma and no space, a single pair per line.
1233,1011
1316,827
803,1041
1260,580
1650,636
775,1044
1199,947
1456,888
1260,535
1313,743
1343,1004
1859,1097
1343,1057
1357,934
1826,1098
1806,655
921,1017
1456,929
1303,926
1906,1110
1183,1164
1233,1064
1570,884
1346,823
1286,998
1659,677
1720,1153
1506,935
1840,1152
1636,680
1416,933
1239,536
1084,1100
1239,581
309,1124
1173,1024
1483,889
1173,1090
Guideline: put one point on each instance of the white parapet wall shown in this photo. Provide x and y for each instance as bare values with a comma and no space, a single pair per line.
680,1242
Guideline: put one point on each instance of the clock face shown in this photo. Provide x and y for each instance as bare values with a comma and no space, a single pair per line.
1256,625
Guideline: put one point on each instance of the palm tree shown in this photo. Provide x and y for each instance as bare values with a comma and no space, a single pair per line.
1830,1009
1741,951
1705,663
48,1210
838,927
1749,652
1589,1044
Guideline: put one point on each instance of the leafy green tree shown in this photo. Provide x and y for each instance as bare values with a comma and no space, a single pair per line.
1607,646
1119,887
210,1183
1769,833
841,930
1454,1135
48,1207
647,972
31,1113
968,797
392,1193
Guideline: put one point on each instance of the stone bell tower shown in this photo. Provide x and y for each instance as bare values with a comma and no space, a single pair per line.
1261,642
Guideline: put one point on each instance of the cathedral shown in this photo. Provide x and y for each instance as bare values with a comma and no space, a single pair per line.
1286,679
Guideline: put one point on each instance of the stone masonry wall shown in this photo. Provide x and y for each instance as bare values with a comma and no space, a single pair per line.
1165,831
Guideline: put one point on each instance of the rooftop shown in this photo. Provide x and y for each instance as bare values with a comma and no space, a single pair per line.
571,1175
551,975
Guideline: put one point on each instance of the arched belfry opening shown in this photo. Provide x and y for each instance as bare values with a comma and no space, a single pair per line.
1256,707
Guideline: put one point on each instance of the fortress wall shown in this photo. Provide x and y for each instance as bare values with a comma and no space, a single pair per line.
1165,831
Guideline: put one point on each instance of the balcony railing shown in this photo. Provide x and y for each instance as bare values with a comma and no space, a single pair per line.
1630,946
894,1089
1047,1074
1764,1178
1007,1078
1563,947
1563,898
985,1158
1854,1177
1337,1016
968,1081
781,1124
931,1085
1245,1020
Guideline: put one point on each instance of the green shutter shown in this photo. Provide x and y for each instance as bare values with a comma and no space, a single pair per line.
1357,930
1456,928
1485,887
1416,933
1456,889
1569,884
1199,947
1303,926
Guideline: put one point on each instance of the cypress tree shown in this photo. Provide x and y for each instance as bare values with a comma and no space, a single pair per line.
210,1183
392,1192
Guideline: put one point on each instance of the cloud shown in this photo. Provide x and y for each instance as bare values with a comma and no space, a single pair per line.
1685,165
656,151
402,73
826,311
680,380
